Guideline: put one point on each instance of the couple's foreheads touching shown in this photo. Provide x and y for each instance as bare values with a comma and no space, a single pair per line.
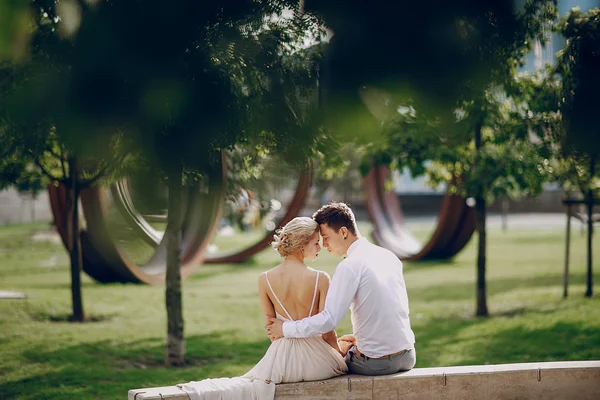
336,224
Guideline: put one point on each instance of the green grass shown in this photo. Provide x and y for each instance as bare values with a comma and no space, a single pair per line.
42,356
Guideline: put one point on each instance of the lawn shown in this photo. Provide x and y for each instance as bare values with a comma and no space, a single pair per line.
42,356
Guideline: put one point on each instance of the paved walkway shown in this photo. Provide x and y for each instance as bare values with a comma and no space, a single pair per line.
525,220
6,294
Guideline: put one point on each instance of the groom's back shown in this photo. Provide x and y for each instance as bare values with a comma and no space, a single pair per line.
380,309
295,288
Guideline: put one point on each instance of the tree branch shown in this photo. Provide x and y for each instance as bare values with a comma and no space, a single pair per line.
55,154
45,171
291,109
62,161
102,172
580,182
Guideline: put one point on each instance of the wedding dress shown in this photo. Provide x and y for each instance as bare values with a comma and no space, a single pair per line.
286,360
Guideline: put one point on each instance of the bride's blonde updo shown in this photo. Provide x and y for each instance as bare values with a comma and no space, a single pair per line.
294,235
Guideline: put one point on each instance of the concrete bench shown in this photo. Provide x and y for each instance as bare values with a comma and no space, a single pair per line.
566,380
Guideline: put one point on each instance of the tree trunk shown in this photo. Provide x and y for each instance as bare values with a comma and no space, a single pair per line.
505,205
590,229
567,249
32,204
480,222
75,242
480,218
175,352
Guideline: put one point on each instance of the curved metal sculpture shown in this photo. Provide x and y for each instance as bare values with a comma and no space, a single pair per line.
293,210
456,222
137,222
106,262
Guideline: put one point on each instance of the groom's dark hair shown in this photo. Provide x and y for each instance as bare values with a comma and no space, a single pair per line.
336,215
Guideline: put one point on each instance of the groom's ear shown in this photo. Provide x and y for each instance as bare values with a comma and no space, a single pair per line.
344,231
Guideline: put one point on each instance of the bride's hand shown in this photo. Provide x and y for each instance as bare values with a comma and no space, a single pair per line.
348,338
344,347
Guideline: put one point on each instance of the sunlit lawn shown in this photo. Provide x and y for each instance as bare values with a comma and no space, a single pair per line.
41,356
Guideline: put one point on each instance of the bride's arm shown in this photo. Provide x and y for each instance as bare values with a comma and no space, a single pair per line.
267,307
330,337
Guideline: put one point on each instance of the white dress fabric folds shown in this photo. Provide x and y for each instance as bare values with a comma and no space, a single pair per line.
286,360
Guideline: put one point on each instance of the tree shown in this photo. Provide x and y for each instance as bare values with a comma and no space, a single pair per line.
426,52
499,162
485,151
578,65
38,129
186,82
564,102
35,156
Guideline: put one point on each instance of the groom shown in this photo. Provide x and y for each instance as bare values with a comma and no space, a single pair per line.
369,281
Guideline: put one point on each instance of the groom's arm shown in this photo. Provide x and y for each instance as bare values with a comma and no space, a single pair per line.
344,285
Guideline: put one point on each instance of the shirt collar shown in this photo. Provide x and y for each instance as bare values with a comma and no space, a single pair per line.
354,245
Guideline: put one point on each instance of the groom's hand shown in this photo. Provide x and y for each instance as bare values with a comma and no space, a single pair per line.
274,328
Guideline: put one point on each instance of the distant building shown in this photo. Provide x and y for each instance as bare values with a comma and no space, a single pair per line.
543,54
18,208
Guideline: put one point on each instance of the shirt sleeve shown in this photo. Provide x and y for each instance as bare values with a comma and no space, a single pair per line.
344,285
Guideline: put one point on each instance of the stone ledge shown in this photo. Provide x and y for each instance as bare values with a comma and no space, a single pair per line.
565,380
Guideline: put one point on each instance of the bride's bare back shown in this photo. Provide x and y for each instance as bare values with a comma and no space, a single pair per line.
294,285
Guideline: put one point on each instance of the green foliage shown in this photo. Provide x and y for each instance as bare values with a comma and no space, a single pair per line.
577,65
190,81
36,128
341,172
30,180
164,86
423,54
15,29
563,104
506,162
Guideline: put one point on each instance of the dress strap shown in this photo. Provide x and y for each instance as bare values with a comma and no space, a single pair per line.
314,295
277,298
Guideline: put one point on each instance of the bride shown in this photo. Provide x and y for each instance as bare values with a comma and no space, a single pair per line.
289,291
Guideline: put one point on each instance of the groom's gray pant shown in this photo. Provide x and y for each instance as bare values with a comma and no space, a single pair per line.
363,365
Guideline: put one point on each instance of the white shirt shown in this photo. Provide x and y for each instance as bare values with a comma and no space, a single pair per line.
369,282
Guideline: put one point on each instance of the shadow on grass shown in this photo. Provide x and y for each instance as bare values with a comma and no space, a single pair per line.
108,369
87,285
45,316
416,265
562,341
465,291
517,312
540,238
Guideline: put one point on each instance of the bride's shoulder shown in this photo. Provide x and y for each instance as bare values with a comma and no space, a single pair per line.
322,274
262,278
275,270
324,281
